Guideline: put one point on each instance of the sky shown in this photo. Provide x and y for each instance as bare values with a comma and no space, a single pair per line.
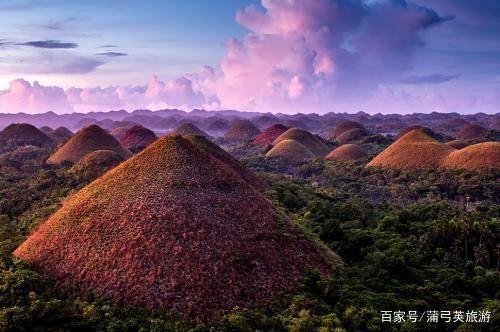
387,56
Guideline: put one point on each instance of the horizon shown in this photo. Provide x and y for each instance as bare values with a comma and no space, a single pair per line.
269,56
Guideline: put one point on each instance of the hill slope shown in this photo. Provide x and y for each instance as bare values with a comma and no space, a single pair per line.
22,134
474,157
87,140
347,152
138,138
291,151
311,142
216,151
173,228
415,150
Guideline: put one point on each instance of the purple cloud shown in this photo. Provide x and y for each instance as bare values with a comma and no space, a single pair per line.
427,79
49,44
112,54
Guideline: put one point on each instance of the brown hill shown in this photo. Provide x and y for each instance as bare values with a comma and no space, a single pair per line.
186,129
268,136
96,164
351,136
218,126
242,130
87,140
457,144
427,131
119,133
60,135
21,134
311,142
452,124
291,151
472,131
216,151
46,130
342,127
473,157
138,138
173,228
415,150
347,153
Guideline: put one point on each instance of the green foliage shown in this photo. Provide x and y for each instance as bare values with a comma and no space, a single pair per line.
408,240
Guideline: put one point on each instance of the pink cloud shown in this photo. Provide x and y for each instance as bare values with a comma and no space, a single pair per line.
33,98
299,55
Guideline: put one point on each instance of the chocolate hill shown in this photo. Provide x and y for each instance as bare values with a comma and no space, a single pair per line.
95,164
341,128
351,136
452,124
20,134
87,140
457,144
470,132
218,126
60,135
119,133
347,153
311,142
415,150
268,136
216,151
242,130
428,131
188,129
291,151
46,130
138,138
474,157
173,228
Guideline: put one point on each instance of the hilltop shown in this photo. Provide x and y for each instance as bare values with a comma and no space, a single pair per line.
268,136
415,150
474,157
216,151
347,153
291,151
186,129
304,137
242,130
87,140
22,134
137,138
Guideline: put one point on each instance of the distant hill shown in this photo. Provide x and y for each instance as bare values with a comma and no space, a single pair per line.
307,139
22,134
474,157
415,150
87,140
138,138
242,130
291,151
268,136
188,129
347,153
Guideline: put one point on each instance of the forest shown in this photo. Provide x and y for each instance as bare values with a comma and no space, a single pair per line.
410,241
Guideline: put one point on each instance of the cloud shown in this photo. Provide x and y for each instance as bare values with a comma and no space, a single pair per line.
428,79
108,46
112,54
49,44
21,96
313,55
298,56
